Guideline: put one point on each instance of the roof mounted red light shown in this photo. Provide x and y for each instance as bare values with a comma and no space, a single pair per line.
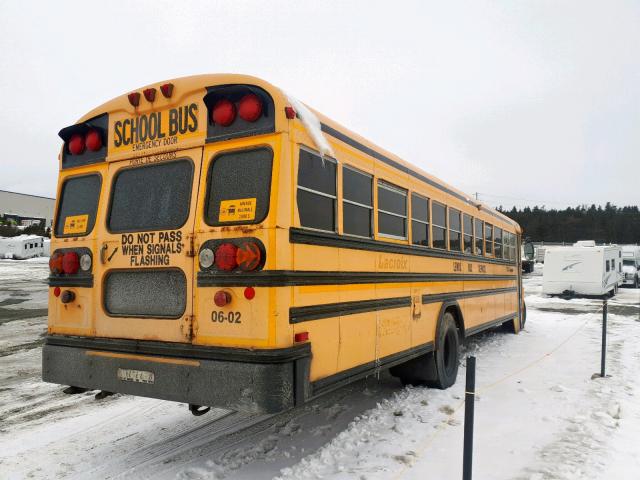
166,89
290,112
225,256
224,112
76,144
250,107
149,94
93,140
134,98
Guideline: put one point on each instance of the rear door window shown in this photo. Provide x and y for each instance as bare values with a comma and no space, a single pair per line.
153,197
239,186
78,206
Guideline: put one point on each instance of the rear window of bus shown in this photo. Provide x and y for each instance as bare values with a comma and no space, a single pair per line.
78,206
153,197
238,187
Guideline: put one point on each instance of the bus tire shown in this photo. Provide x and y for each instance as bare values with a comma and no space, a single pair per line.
439,368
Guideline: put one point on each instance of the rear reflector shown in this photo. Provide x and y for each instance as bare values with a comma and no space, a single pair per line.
249,293
301,337
56,292
290,113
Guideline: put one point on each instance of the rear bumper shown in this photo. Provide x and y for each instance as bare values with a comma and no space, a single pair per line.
238,379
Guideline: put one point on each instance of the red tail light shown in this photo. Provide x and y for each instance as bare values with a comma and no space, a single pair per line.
134,99
250,107
248,256
70,262
55,263
301,337
149,94
166,89
93,140
225,257
221,298
224,113
76,144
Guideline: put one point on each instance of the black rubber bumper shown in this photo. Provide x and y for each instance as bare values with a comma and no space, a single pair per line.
238,379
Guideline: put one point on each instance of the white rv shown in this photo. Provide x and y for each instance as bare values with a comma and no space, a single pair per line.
21,247
631,265
583,269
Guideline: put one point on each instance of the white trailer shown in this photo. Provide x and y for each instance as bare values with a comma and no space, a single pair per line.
631,265
583,269
21,247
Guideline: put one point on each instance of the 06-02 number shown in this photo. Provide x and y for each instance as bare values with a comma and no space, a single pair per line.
231,317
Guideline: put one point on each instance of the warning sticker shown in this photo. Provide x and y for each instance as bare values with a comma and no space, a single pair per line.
75,224
240,210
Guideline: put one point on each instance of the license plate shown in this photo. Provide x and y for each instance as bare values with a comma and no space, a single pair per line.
138,376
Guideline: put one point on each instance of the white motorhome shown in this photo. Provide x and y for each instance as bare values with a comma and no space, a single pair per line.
583,269
21,247
631,265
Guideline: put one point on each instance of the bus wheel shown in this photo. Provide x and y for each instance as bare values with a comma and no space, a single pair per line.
438,369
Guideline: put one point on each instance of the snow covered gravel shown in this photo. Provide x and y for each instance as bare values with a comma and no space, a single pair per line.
539,415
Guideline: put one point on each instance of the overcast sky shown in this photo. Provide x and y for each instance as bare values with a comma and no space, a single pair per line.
532,102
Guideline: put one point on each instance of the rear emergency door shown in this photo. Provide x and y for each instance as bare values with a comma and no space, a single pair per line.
145,256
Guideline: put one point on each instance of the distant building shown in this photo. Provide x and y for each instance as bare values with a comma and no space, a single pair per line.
24,209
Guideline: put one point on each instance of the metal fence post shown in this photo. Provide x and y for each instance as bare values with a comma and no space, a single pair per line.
603,354
469,401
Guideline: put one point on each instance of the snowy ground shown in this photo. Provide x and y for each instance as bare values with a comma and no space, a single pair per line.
539,415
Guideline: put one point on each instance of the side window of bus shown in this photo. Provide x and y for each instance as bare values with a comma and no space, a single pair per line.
488,239
479,233
239,187
497,233
316,194
467,226
78,206
153,197
455,232
439,225
357,202
506,242
392,210
419,220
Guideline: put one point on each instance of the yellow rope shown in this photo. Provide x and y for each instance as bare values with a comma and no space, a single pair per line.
427,443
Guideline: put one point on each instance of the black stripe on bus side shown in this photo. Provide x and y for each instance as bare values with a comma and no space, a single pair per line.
71,281
488,325
328,310
344,377
285,278
443,297
392,163
327,239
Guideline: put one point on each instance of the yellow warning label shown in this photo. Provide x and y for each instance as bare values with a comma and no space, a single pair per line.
240,210
75,224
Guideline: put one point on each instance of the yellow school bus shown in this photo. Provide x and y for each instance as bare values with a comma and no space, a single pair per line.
219,243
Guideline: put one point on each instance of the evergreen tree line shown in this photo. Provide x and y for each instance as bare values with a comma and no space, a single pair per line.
608,224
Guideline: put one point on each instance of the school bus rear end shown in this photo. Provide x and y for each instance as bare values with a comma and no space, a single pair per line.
152,251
